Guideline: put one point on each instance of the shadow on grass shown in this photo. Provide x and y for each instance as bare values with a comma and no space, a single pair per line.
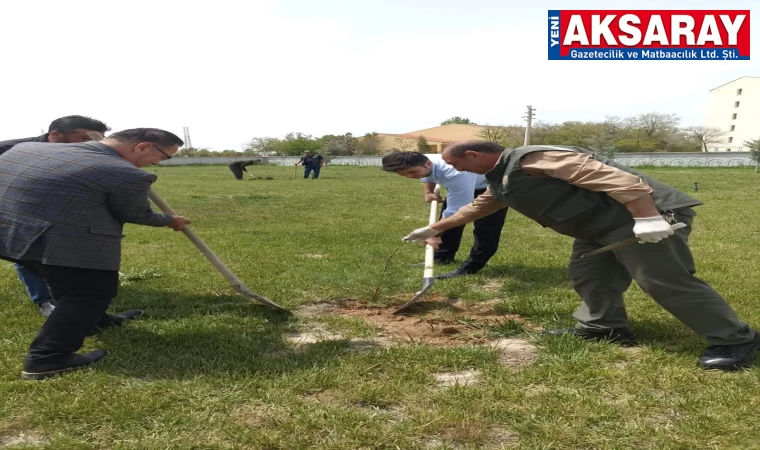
169,304
666,335
523,278
186,336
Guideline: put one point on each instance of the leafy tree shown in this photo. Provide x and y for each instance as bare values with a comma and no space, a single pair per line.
576,133
341,145
509,136
754,151
196,152
369,144
295,144
656,124
603,139
230,153
263,145
422,145
457,119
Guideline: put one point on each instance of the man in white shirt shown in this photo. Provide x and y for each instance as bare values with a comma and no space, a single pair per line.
462,188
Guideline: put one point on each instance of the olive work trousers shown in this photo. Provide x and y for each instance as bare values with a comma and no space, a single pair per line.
665,271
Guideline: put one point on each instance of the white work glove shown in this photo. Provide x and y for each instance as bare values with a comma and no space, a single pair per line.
651,229
421,235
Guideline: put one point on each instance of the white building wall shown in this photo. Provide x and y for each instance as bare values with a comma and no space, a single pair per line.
721,110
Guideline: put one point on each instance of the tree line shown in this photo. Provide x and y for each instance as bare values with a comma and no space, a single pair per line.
649,132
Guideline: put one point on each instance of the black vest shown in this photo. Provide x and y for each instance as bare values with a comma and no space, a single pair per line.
564,207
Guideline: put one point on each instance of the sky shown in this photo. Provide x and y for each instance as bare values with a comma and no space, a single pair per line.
234,70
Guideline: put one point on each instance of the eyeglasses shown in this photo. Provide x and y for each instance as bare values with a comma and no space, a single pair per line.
168,156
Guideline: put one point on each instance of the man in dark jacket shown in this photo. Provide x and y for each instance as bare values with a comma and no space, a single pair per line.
599,202
65,130
238,167
312,162
62,213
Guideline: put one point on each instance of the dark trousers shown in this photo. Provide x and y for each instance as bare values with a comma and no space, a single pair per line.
665,271
237,171
308,169
81,299
487,232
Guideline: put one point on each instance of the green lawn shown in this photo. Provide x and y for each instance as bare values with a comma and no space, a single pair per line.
209,370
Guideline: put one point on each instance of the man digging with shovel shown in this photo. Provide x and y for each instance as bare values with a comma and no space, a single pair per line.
600,203
462,188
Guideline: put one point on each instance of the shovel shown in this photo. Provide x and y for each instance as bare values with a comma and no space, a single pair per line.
625,243
234,281
427,275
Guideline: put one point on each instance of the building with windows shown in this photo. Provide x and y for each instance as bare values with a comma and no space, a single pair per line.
735,109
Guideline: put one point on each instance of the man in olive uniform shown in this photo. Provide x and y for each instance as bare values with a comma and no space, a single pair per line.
599,202
238,167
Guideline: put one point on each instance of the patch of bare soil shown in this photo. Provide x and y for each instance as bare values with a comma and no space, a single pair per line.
463,435
23,438
493,286
516,352
438,321
464,378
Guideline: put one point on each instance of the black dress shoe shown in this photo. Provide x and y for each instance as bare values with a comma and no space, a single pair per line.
41,370
729,357
462,271
620,336
117,320
46,308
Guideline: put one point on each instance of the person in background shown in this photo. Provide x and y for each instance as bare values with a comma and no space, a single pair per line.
312,162
64,130
238,167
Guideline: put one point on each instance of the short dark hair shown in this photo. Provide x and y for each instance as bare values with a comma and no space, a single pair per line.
396,161
152,135
70,123
458,149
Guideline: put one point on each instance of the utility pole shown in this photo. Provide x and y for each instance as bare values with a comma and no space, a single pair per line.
529,117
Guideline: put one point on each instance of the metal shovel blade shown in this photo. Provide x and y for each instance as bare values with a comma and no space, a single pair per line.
244,291
427,283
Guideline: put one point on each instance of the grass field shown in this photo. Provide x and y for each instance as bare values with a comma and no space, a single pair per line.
208,370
